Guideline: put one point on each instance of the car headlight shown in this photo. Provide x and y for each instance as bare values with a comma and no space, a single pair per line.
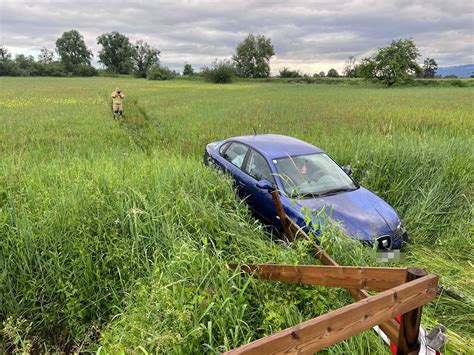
400,232
401,228
384,242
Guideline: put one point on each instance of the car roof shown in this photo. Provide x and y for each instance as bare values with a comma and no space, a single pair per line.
276,145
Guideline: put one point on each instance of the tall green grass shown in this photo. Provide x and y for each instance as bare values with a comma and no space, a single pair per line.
113,236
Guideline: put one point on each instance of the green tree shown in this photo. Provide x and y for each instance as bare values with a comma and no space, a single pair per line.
252,57
4,54
46,56
322,74
395,63
366,69
24,61
73,50
25,65
332,73
188,70
7,65
429,68
116,53
143,58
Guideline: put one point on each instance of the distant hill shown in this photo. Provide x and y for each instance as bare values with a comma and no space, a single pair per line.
461,71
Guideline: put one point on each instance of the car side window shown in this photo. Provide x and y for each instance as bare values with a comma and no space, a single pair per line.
257,167
236,154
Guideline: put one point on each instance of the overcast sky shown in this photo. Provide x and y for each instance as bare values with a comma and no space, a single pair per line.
307,35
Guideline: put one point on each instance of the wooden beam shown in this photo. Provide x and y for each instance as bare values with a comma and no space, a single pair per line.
410,322
391,327
331,328
368,278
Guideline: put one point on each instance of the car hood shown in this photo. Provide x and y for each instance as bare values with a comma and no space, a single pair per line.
362,213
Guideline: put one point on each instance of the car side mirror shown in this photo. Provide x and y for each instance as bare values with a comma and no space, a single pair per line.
348,170
265,185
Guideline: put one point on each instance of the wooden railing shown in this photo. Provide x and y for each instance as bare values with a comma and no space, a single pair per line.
403,292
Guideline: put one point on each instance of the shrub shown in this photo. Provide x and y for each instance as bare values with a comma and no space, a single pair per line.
221,72
13,68
9,68
158,72
287,73
458,82
85,70
55,69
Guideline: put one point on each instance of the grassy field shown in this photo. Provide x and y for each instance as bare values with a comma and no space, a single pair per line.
114,236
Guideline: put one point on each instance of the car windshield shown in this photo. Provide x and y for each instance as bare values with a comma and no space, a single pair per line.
312,175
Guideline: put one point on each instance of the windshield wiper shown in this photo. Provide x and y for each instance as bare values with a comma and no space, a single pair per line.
335,191
326,193
305,195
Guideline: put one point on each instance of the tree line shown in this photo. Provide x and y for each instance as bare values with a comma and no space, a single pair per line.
393,64
120,56
117,54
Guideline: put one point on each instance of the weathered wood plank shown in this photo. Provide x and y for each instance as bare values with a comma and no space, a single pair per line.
367,278
331,328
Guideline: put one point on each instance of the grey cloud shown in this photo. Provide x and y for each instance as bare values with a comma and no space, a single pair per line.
309,35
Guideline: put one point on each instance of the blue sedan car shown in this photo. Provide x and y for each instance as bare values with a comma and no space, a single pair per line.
307,180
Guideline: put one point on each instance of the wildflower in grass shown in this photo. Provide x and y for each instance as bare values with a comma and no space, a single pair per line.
135,210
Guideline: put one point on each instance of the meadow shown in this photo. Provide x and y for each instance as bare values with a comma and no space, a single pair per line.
115,237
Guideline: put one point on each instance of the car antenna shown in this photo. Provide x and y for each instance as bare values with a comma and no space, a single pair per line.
254,131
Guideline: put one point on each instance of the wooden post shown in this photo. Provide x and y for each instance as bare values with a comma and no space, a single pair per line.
281,214
410,323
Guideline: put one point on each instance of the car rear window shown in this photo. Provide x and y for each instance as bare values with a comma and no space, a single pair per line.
224,147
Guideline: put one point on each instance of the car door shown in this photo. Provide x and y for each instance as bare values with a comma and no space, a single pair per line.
257,169
234,158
